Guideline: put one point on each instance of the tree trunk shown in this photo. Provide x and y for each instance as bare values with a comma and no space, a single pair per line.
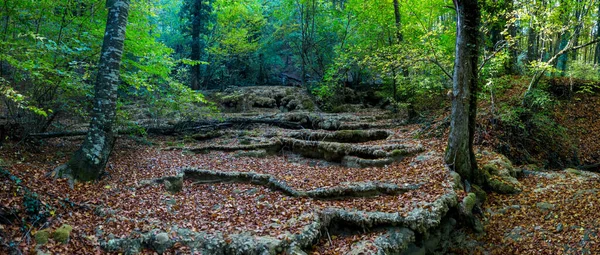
596,36
512,66
89,161
459,153
531,43
196,51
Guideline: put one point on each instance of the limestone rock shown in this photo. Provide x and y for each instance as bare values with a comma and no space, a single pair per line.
161,242
295,250
456,181
62,234
252,154
501,176
468,203
174,184
573,171
504,184
545,206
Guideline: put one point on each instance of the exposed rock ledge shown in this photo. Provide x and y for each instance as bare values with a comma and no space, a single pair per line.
407,233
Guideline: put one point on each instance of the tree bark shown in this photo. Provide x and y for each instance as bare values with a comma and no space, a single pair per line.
196,45
89,161
531,43
596,36
459,153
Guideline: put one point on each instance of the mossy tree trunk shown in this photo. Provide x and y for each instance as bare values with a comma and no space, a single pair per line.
459,153
89,161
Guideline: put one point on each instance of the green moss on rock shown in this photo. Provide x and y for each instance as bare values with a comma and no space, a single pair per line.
480,193
42,236
62,234
469,202
573,171
174,184
504,185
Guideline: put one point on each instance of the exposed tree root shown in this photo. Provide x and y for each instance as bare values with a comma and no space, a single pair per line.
343,136
335,152
362,189
269,146
361,155
407,231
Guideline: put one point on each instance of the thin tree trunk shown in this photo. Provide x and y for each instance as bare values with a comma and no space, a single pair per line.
531,43
89,161
512,66
196,51
596,36
459,153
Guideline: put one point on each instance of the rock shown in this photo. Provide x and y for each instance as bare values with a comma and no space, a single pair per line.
504,184
545,206
363,248
356,162
295,250
40,252
515,234
174,184
468,203
426,156
500,175
480,193
161,242
456,181
252,154
573,171
62,234
559,227
532,167
41,237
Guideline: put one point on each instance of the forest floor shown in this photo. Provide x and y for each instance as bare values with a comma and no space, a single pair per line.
556,212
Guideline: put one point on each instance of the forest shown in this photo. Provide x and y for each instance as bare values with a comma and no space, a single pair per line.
299,127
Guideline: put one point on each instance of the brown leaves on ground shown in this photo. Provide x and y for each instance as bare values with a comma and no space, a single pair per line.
555,214
226,208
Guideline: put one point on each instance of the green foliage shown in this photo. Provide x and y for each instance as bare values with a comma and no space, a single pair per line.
49,61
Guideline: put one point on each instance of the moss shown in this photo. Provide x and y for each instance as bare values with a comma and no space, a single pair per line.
469,202
252,154
349,135
206,136
480,193
456,181
398,153
308,105
503,186
62,234
573,171
41,237
174,184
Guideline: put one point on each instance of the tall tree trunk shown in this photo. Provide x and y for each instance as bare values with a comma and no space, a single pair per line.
89,161
561,64
398,20
578,13
459,153
596,36
511,65
531,43
196,45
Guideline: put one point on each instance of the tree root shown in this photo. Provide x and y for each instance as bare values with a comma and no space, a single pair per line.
406,231
362,189
343,136
330,151
269,146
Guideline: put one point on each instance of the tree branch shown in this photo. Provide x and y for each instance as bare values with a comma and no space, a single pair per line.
488,58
